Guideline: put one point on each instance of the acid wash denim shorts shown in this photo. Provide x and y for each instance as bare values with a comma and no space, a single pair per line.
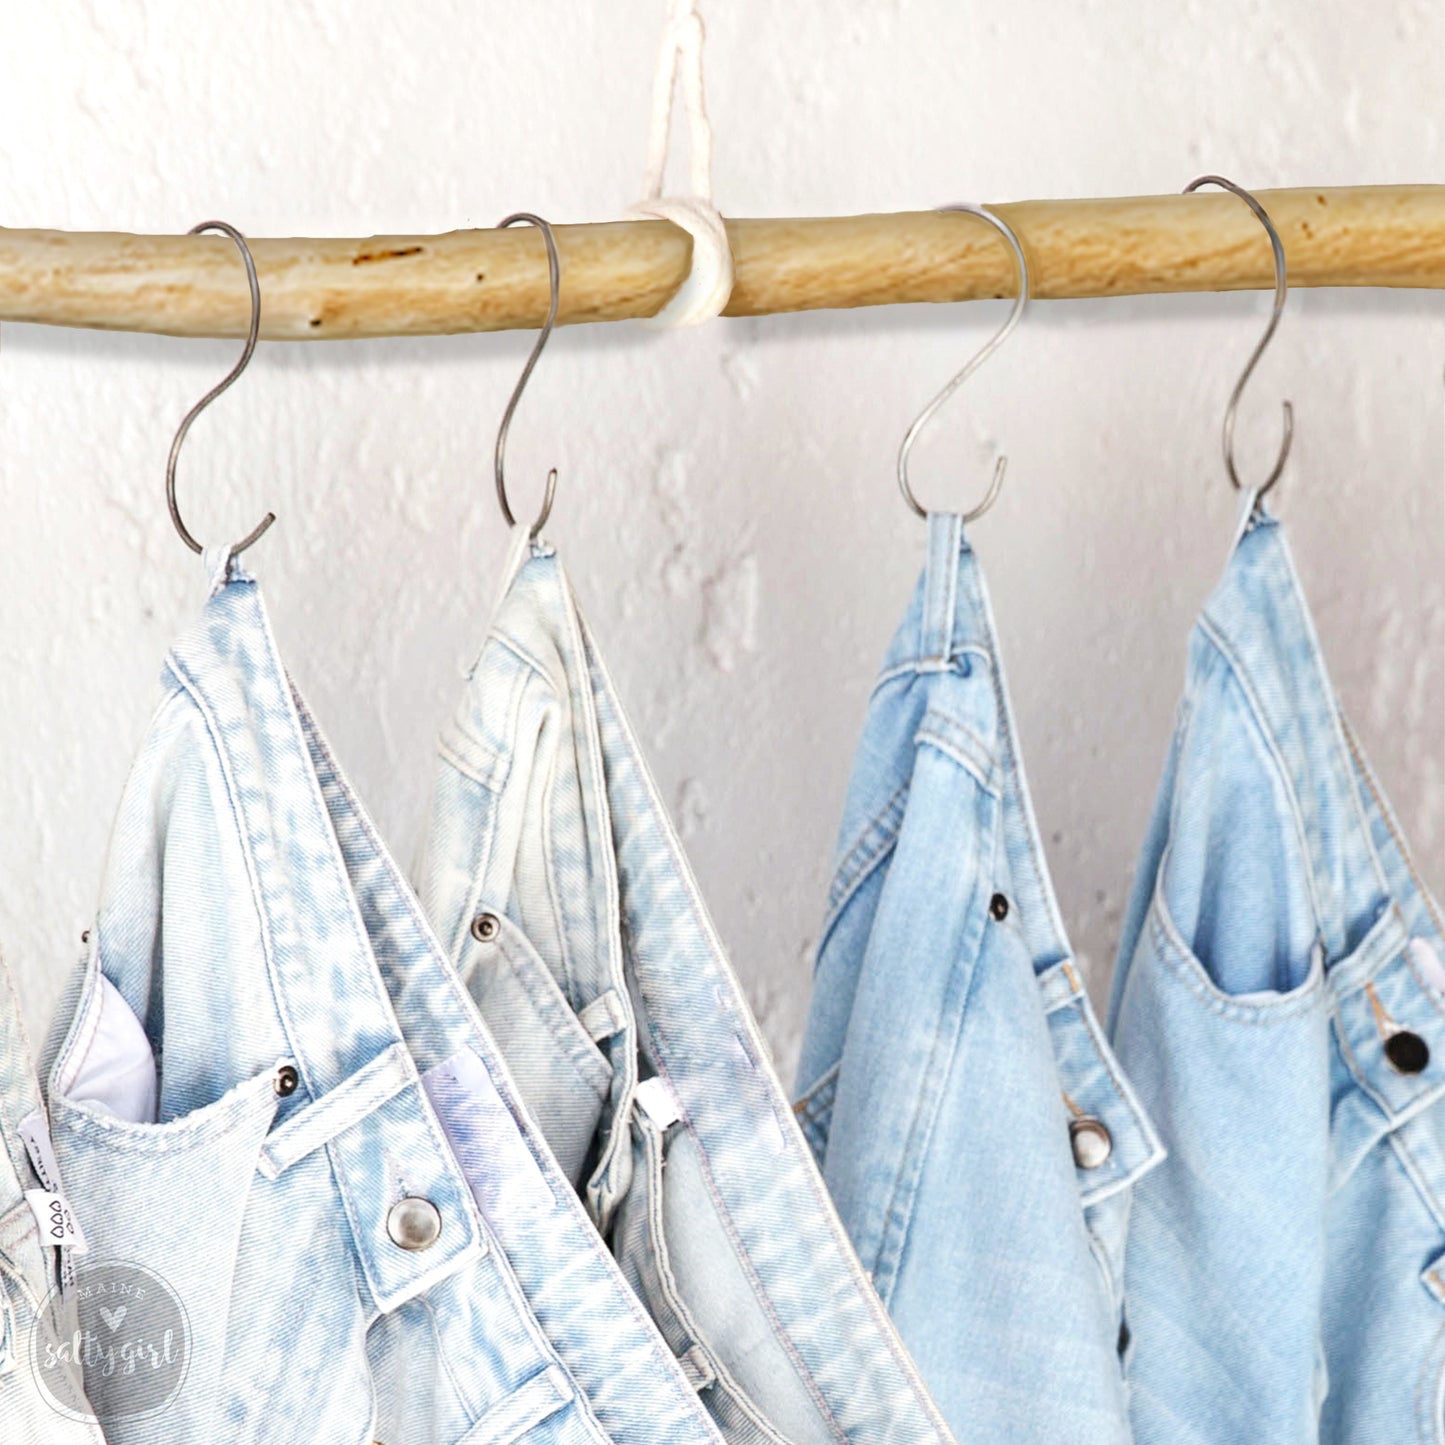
978,1135
1278,1002
275,1097
36,1317
553,875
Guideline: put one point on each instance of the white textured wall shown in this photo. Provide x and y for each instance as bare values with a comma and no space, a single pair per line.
727,504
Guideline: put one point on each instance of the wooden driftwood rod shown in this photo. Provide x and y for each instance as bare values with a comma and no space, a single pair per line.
497,280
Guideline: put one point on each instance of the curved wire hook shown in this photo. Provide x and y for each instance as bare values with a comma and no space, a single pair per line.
977,360
252,333
1281,289
554,277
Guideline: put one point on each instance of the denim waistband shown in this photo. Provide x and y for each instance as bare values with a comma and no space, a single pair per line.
1258,620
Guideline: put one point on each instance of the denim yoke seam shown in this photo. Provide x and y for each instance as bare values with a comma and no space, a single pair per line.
948,1026
1306,828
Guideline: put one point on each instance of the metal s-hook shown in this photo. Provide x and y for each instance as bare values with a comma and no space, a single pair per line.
252,333
1281,289
554,276
977,360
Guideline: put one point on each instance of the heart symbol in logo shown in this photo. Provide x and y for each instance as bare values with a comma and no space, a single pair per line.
113,1317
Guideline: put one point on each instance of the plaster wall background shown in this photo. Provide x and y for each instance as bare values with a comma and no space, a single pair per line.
726,506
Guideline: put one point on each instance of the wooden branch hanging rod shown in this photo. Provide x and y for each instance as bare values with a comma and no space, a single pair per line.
497,280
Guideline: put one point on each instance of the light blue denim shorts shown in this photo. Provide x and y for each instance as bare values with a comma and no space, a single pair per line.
554,877
1278,1001
977,1133
274,1095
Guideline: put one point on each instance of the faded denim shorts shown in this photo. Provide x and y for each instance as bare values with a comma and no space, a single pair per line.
35,1319
1278,1002
274,1096
977,1133
555,878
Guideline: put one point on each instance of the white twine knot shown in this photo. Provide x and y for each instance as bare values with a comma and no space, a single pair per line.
709,283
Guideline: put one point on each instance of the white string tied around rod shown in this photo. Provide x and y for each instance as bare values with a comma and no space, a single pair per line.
709,283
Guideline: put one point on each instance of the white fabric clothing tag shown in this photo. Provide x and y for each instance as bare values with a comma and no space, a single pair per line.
35,1131
56,1220
655,1098
1427,961
485,1137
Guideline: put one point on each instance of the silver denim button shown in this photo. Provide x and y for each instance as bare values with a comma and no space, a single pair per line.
1092,1142
485,927
414,1223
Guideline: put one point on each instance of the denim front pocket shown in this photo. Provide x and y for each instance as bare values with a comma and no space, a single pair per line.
1226,1256
561,1073
170,1199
